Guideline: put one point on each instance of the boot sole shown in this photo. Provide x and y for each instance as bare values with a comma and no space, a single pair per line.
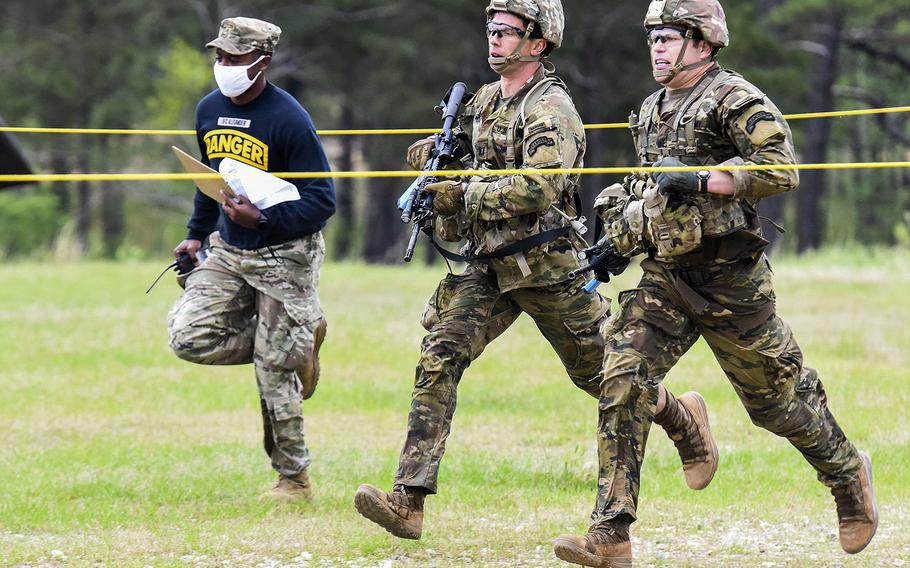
568,551
867,464
703,408
309,381
375,510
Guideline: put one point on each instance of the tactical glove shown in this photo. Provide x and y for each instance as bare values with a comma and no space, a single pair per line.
681,182
448,196
419,152
609,264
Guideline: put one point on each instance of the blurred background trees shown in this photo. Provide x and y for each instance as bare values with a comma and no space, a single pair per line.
385,64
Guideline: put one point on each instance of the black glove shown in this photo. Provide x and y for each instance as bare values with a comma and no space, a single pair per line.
682,182
607,264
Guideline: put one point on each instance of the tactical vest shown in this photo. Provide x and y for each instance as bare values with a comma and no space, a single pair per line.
507,132
696,140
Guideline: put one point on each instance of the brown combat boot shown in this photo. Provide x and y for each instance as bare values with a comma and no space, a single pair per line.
399,512
309,373
606,545
686,421
856,513
290,488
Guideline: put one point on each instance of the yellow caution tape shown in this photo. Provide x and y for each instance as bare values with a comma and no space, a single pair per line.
22,129
412,131
32,178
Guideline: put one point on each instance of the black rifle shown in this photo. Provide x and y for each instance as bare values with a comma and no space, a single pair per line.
603,259
419,206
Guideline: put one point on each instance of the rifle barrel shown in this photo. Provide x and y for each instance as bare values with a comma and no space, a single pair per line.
412,242
586,268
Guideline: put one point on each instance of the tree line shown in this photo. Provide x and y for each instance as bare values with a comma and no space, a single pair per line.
385,64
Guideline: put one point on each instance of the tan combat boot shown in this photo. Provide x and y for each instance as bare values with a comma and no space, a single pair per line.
399,512
309,373
686,421
606,545
856,513
290,489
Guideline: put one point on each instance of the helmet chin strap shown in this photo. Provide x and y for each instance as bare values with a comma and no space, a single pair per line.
500,64
668,75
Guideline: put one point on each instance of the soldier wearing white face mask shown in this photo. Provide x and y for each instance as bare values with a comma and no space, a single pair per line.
254,300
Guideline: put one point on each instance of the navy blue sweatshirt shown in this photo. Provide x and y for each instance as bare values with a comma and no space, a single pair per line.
273,133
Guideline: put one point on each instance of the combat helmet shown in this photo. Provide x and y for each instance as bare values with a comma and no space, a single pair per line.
545,16
705,16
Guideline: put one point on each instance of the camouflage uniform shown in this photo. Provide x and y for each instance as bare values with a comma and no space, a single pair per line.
469,310
709,278
257,306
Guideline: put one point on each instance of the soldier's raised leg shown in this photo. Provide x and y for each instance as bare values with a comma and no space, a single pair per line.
213,321
573,321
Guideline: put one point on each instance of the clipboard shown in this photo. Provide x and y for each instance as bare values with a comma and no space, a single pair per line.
210,187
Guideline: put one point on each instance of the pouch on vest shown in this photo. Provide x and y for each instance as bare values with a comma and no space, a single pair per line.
676,232
672,231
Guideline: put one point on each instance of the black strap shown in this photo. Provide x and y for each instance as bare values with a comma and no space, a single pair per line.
524,245
771,222
598,228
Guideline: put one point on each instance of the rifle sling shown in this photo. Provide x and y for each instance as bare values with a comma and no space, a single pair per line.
521,246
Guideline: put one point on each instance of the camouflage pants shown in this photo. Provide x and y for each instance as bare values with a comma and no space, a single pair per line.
732,307
463,316
259,307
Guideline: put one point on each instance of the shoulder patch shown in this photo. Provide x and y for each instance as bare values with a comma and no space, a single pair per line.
756,118
757,125
538,143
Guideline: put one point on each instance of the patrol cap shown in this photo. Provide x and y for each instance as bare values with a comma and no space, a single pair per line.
239,36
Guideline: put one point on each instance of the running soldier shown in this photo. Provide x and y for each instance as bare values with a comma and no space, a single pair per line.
525,120
254,300
705,276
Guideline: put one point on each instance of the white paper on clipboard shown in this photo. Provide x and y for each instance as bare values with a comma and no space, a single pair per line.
262,188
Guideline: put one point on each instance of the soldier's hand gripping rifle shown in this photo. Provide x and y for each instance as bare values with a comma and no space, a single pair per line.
418,206
603,260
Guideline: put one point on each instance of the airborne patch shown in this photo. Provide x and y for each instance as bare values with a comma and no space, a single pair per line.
538,144
753,121
238,145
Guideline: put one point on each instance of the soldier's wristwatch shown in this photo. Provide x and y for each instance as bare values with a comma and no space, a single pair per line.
703,177
262,222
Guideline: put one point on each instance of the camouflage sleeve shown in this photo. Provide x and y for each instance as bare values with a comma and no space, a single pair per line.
763,137
554,138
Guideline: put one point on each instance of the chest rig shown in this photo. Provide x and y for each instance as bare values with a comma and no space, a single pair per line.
498,128
694,135
499,131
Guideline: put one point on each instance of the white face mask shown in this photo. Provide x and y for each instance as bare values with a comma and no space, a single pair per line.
233,80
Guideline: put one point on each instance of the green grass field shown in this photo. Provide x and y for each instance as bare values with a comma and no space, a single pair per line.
115,453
